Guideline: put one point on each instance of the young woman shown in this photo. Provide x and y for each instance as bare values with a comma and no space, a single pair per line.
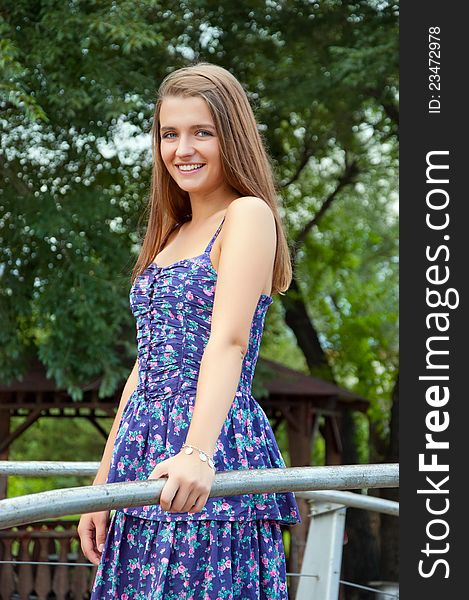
213,255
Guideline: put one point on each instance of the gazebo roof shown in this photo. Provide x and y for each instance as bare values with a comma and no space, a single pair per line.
281,382
289,382
35,380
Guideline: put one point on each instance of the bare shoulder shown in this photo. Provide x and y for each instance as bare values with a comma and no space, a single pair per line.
251,215
248,207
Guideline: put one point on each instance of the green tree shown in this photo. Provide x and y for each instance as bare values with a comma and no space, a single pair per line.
78,81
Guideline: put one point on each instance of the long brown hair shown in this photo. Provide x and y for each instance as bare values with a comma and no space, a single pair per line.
246,165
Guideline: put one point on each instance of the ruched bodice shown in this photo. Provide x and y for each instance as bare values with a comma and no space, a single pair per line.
173,316
172,307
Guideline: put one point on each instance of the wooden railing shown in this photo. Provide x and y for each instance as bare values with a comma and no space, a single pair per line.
50,542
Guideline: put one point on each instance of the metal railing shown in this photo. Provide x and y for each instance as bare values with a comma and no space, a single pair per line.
320,571
78,500
351,500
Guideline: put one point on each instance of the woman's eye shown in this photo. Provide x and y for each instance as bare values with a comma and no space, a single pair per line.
171,133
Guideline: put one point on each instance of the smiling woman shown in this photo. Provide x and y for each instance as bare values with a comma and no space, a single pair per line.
213,253
190,151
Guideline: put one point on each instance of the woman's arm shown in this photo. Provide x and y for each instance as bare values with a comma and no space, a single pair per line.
246,261
92,527
129,387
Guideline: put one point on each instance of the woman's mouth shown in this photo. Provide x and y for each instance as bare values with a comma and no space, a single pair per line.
190,169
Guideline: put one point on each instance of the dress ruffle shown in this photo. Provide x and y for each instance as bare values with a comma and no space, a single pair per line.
152,431
191,560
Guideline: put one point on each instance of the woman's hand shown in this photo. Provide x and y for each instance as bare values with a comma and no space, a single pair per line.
189,482
92,530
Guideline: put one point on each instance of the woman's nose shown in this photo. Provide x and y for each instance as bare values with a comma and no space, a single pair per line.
184,147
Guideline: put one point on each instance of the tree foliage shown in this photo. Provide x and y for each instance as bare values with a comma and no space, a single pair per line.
76,99
77,90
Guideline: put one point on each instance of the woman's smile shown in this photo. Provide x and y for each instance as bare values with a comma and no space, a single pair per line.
190,168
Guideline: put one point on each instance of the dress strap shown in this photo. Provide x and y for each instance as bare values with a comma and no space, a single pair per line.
210,244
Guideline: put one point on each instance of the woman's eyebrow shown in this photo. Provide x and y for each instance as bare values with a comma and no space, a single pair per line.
206,125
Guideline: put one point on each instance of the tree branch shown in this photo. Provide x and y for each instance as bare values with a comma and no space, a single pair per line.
307,153
348,177
19,186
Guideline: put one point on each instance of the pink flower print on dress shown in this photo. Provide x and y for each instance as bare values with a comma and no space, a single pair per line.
209,291
133,564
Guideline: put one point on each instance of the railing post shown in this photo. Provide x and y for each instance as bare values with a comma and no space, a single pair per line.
323,553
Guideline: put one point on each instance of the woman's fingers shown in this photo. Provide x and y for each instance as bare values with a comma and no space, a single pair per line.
189,503
87,535
176,497
200,503
101,532
180,499
185,486
168,492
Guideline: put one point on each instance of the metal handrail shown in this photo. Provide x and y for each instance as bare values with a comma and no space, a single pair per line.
70,501
351,500
47,468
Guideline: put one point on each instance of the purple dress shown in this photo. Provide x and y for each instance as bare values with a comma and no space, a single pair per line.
233,548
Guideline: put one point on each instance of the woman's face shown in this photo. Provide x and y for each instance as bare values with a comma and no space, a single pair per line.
189,145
